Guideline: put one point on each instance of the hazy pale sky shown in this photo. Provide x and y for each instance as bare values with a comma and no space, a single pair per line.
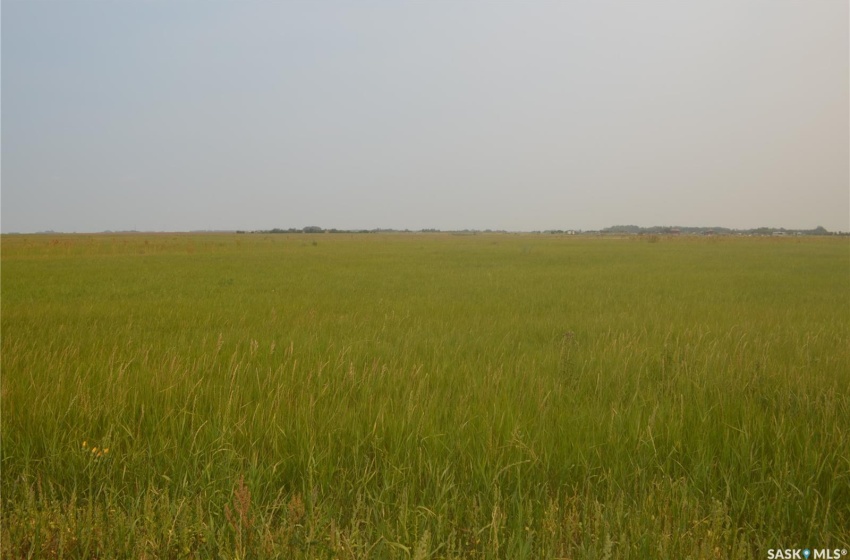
184,115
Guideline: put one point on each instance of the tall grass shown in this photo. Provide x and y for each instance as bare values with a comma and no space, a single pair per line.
423,396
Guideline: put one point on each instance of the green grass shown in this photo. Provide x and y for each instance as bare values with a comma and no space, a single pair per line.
423,396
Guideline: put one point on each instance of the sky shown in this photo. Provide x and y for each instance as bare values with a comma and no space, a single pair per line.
188,115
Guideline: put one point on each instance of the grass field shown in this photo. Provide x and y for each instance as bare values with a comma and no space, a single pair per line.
424,396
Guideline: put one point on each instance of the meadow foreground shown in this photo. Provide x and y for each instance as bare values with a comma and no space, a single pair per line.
423,396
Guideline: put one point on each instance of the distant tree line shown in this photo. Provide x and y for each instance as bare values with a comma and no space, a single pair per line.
668,230
613,230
